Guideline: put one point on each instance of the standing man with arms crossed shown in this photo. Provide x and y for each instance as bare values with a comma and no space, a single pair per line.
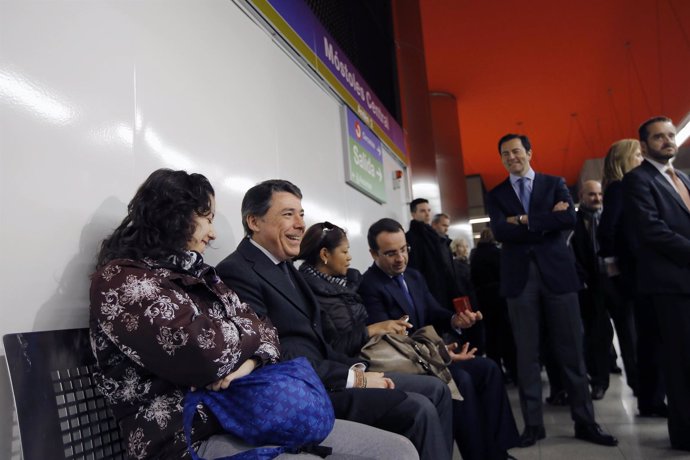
261,273
657,204
529,214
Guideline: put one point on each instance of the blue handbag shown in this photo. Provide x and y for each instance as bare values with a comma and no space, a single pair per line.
283,404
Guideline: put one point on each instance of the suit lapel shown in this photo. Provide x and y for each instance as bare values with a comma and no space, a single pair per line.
391,286
511,198
661,181
274,276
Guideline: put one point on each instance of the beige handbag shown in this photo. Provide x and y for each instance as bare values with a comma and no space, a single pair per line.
422,353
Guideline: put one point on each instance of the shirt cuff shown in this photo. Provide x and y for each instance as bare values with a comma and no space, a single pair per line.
351,374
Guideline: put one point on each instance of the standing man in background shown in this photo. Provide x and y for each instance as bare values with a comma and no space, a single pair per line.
529,214
441,223
657,202
430,254
594,297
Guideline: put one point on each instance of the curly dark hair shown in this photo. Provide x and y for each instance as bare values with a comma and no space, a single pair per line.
159,220
321,235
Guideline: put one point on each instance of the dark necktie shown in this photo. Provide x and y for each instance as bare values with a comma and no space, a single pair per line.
403,287
284,266
593,225
524,193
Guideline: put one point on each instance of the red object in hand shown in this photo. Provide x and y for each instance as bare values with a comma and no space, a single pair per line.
462,304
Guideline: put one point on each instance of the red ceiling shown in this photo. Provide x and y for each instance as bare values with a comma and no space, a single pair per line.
559,71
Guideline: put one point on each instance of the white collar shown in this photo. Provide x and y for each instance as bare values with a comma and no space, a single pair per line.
265,251
529,175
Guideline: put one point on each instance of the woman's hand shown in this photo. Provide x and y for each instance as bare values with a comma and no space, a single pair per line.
463,355
221,384
377,380
391,326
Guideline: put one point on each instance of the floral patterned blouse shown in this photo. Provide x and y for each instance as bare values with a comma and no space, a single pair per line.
156,330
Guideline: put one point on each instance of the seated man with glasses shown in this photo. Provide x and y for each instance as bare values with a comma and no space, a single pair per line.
483,422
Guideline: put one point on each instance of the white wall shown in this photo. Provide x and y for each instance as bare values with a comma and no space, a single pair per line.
94,95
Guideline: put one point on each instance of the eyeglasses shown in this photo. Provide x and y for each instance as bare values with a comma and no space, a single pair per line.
393,254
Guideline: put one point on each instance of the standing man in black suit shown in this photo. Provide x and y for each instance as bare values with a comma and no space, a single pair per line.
261,273
530,214
484,424
657,202
596,293
431,255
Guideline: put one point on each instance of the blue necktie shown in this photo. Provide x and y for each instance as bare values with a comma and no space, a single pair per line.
403,287
524,193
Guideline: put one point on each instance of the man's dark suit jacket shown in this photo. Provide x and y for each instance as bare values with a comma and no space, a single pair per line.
264,286
587,264
616,238
662,225
385,300
543,240
431,255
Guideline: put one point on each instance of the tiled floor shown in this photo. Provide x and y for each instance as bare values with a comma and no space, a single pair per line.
639,438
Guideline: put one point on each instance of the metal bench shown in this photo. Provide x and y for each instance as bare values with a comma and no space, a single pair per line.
59,411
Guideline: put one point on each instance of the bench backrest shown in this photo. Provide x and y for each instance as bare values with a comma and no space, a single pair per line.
60,413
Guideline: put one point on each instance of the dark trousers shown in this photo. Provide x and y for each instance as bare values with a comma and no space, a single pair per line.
423,413
561,313
598,335
651,389
673,312
483,422
500,344
621,312
431,427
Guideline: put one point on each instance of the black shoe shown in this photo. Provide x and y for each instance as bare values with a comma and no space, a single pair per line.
598,392
656,411
594,434
531,435
558,399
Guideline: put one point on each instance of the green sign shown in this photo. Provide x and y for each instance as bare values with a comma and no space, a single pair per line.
364,159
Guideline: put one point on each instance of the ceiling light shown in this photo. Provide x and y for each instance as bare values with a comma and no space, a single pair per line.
683,132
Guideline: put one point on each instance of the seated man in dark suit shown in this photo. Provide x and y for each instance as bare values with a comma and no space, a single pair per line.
261,273
484,424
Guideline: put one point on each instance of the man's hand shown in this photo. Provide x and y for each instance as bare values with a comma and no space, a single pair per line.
523,219
466,319
561,206
377,380
464,354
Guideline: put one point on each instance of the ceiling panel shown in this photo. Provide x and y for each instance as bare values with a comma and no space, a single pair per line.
573,76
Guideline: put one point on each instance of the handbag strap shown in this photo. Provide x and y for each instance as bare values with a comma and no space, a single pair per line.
428,336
